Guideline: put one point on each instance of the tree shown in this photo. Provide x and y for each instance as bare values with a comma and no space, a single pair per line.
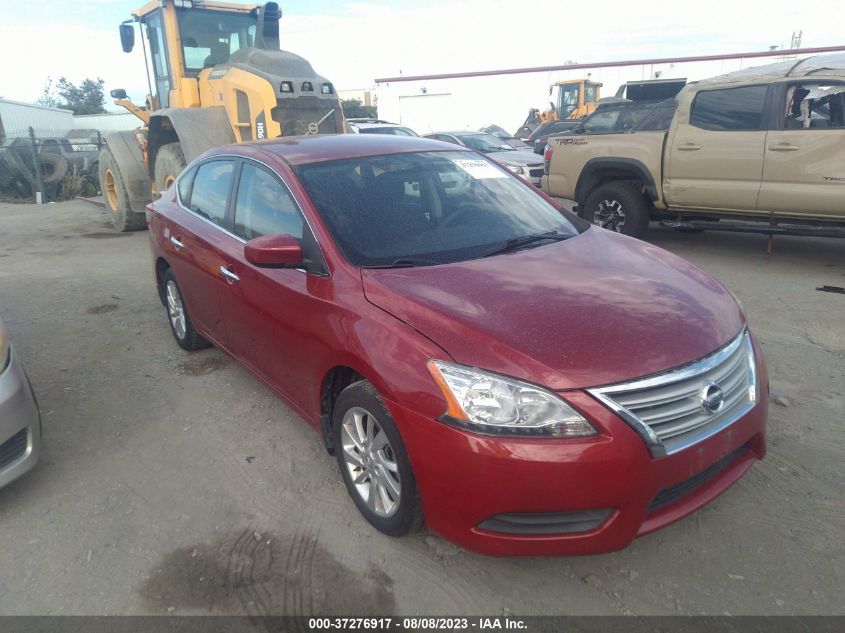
86,98
353,109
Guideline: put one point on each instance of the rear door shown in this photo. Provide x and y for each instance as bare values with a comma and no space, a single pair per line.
273,316
715,149
804,170
195,233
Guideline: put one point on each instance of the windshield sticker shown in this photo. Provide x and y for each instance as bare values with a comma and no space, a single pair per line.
479,169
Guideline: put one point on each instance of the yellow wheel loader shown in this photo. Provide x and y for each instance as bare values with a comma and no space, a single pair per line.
216,75
572,99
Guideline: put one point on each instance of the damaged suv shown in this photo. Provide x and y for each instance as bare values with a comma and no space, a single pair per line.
764,144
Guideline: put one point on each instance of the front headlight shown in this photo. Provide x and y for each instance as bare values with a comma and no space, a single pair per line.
514,168
488,403
4,348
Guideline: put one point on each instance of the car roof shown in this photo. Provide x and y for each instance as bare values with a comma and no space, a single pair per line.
817,65
302,150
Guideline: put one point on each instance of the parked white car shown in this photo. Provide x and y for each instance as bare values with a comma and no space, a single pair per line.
377,126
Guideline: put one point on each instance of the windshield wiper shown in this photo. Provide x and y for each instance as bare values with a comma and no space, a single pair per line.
518,243
407,262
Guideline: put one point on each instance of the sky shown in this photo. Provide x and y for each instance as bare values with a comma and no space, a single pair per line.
353,43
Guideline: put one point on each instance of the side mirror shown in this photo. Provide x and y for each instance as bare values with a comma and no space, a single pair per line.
127,37
118,93
274,251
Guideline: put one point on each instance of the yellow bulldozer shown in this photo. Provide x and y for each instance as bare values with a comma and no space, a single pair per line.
216,75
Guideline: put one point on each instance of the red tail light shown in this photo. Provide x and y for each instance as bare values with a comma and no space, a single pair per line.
547,158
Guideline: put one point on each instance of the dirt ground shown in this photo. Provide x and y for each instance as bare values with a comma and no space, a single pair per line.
176,483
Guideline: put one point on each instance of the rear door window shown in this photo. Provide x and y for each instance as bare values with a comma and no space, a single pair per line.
815,105
729,109
264,206
210,191
184,185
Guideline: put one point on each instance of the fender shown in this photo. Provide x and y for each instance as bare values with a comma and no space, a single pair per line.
624,164
130,161
197,129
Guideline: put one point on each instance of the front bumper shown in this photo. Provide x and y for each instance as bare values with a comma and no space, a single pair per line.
465,479
20,423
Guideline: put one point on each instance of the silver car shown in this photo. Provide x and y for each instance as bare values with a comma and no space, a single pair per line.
523,162
20,421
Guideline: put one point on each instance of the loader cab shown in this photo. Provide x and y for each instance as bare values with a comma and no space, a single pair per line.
180,40
574,99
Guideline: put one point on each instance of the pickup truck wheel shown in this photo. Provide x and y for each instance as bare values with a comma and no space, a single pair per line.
617,207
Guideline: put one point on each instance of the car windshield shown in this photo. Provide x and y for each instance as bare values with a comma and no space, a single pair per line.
395,131
484,143
427,208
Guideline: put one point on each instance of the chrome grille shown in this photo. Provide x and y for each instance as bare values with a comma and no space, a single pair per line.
676,409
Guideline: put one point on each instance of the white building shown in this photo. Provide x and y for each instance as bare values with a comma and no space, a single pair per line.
503,97
109,122
16,118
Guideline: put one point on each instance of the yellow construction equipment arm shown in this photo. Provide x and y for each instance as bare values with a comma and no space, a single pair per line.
138,112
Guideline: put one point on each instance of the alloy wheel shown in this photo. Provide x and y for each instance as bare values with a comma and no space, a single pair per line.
610,215
176,310
371,462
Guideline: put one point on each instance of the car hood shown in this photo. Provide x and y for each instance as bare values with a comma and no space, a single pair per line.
520,157
596,309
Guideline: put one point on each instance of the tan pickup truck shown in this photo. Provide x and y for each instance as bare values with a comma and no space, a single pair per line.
765,143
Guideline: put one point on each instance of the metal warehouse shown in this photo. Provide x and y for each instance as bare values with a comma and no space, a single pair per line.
16,118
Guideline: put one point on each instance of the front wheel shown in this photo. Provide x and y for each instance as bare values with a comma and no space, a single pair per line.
618,207
373,461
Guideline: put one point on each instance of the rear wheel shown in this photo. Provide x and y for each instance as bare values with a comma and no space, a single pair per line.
116,196
170,161
619,207
180,322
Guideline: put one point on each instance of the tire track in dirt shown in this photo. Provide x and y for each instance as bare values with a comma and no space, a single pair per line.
256,573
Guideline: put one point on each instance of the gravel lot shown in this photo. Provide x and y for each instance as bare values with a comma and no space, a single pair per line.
175,483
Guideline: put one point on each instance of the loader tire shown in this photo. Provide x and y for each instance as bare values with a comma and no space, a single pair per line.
53,168
116,196
170,161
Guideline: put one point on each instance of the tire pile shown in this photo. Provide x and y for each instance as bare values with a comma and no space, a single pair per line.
18,180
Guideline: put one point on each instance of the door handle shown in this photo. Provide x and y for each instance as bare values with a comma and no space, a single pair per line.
228,274
176,242
783,147
688,147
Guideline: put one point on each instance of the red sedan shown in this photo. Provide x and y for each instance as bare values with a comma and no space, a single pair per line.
470,353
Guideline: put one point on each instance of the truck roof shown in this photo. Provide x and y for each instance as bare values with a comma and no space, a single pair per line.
821,65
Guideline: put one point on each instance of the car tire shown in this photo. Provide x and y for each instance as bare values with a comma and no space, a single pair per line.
116,196
177,315
170,161
619,207
383,467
